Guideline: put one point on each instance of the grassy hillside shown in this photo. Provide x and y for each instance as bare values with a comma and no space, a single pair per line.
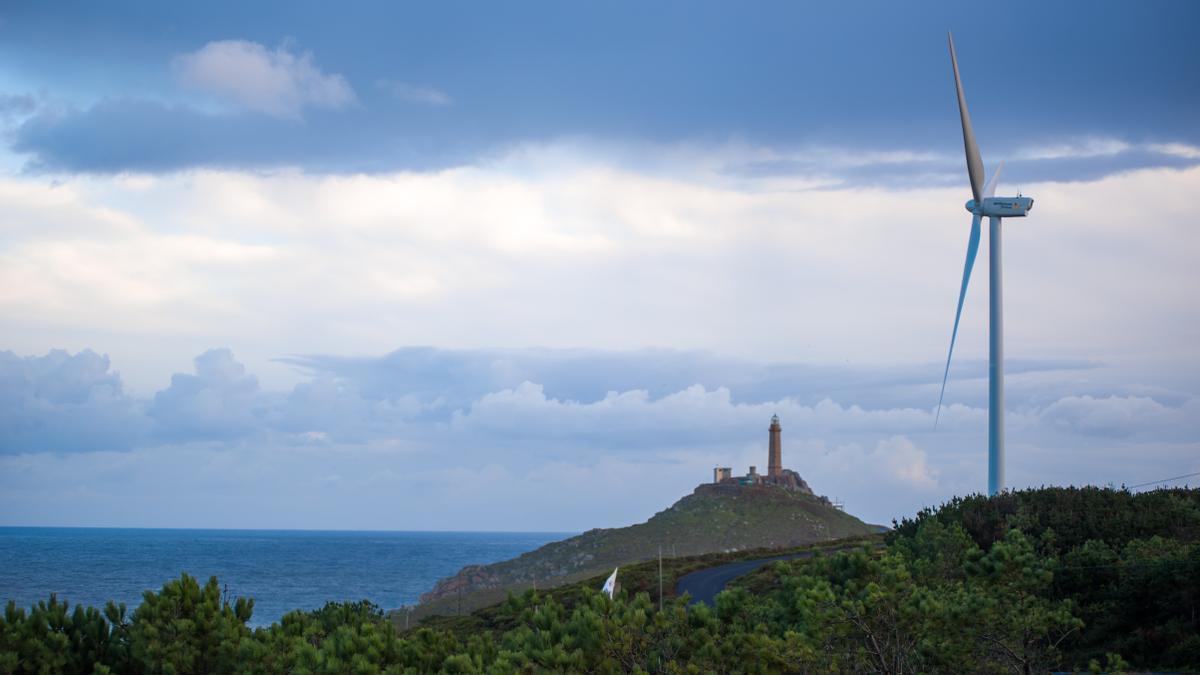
714,518
633,579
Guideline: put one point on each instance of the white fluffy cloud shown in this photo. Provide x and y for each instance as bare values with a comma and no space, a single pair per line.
277,81
1123,416
868,475
543,247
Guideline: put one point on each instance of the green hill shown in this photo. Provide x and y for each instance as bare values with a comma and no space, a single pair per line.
643,577
714,518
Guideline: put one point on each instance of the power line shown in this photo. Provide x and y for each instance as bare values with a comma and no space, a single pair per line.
1163,480
1124,565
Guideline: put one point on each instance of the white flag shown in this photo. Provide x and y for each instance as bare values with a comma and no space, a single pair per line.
611,585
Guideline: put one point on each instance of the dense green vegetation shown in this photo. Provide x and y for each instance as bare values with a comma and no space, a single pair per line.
1072,579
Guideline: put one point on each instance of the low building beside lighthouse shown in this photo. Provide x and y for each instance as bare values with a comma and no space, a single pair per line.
776,475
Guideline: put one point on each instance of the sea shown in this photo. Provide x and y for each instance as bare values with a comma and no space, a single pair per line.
282,570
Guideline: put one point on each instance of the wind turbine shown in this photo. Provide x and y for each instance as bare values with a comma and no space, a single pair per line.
985,203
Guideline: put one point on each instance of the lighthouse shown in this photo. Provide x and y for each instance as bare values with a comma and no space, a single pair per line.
775,449
776,475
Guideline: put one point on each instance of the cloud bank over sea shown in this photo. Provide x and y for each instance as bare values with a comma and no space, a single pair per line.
430,434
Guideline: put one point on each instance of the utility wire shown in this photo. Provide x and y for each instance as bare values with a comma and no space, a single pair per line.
1160,563
1163,480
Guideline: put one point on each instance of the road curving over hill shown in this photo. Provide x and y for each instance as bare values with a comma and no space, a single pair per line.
703,585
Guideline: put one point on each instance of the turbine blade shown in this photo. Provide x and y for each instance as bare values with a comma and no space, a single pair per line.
972,249
974,163
989,190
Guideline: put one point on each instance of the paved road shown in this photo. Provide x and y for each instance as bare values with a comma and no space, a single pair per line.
705,584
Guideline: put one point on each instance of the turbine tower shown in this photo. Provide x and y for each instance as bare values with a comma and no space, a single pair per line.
985,203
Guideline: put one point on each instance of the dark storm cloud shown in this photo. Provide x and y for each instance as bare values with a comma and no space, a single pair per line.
120,135
132,135
785,75
150,136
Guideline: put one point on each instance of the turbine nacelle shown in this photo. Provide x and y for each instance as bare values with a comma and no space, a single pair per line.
1001,207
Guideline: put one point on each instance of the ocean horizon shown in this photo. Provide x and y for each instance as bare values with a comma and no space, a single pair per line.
282,570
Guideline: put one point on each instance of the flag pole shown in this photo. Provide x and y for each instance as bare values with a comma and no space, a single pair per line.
660,577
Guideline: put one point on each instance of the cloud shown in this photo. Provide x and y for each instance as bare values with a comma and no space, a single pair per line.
136,132
219,401
404,437
565,252
16,106
1123,416
328,409
372,402
1177,149
1085,148
414,93
905,462
1079,159
894,466
65,403
276,82
693,416
803,301
451,379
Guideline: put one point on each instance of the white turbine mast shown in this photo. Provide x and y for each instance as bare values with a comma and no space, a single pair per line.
985,203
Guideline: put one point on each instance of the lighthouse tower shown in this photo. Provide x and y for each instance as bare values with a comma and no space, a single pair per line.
775,449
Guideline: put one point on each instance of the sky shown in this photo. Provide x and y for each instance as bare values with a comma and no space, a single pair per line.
541,266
